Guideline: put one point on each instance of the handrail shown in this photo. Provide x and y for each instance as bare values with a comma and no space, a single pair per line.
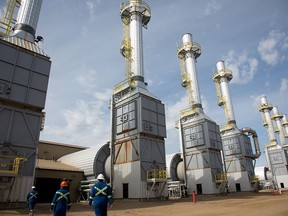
13,167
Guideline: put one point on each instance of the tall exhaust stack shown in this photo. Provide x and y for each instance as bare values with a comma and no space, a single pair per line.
200,139
222,79
277,118
188,54
285,125
265,109
27,19
135,14
138,118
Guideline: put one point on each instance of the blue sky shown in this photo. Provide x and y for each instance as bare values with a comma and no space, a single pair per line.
83,39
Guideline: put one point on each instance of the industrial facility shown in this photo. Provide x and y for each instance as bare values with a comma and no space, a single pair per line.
276,153
213,159
238,153
200,140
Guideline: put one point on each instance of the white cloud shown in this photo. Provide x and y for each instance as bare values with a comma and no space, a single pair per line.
243,67
91,5
270,47
284,86
85,124
285,43
211,8
172,111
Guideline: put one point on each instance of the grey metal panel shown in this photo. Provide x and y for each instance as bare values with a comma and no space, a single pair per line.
24,75
20,127
214,136
126,117
231,146
276,158
20,76
151,116
194,136
8,54
25,60
151,151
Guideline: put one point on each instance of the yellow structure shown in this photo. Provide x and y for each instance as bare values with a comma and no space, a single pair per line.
7,18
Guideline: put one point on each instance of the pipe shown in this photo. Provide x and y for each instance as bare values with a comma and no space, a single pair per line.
265,108
277,117
255,140
285,125
27,19
136,13
223,76
188,52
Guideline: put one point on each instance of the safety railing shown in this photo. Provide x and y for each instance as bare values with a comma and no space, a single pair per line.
157,174
10,164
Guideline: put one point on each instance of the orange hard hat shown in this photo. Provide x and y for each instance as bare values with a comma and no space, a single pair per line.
64,184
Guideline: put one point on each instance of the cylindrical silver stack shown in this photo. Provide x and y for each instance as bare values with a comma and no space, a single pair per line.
190,63
277,117
228,107
27,19
268,120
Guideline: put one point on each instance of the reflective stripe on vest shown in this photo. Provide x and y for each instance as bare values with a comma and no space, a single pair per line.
33,196
62,196
100,191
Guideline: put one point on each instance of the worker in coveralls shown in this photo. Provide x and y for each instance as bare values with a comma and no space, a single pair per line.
32,197
101,193
61,201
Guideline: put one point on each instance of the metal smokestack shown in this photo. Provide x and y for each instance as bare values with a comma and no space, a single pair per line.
285,125
222,78
277,118
265,109
135,14
188,52
27,19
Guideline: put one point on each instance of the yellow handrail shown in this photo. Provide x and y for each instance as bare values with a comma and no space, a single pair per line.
157,174
13,167
7,20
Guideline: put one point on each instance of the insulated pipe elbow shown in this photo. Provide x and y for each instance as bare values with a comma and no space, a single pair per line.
252,132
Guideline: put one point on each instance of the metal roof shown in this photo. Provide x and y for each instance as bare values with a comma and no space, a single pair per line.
25,44
55,165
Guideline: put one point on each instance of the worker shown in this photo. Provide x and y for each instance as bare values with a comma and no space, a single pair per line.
101,194
32,197
61,201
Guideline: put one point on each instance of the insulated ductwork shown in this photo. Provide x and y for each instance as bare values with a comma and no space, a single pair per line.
255,140
27,19
92,161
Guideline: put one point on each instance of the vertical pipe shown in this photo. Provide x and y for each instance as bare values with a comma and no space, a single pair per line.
285,125
27,19
268,120
277,118
228,107
136,44
190,64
